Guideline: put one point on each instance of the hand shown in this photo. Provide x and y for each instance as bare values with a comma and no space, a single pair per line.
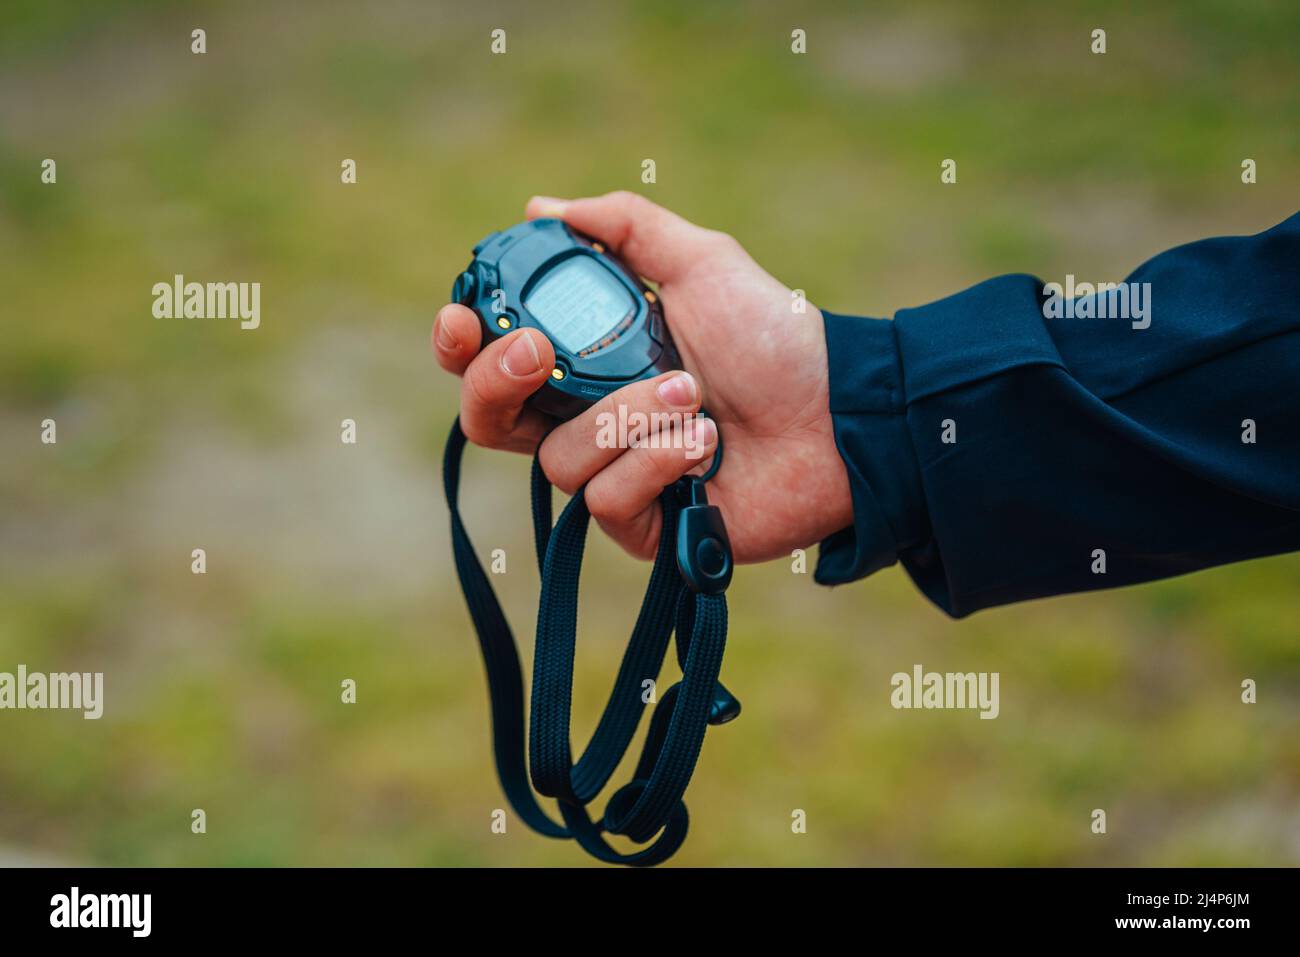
758,366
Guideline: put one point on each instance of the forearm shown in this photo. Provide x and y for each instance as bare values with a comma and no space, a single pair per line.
999,454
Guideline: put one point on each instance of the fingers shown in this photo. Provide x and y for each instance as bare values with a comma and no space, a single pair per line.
576,450
654,241
496,384
624,496
455,337
626,448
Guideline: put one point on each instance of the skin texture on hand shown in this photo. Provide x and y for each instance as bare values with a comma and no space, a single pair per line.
758,367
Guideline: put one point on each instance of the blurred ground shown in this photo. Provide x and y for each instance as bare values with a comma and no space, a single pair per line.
327,561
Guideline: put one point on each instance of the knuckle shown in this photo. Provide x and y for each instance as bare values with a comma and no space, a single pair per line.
601,423
626,198
640,549
475,432
645,544
638,209
721,241
608,502
653,467
556,469
475,394
600,503
608,406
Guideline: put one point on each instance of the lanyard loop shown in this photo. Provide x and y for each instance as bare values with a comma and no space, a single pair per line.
652,802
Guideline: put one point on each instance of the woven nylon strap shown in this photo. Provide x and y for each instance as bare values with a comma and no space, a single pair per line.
652,802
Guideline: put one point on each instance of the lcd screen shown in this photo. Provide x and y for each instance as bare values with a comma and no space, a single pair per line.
579,302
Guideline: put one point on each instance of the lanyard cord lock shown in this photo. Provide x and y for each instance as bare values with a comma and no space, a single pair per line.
703,549
705,563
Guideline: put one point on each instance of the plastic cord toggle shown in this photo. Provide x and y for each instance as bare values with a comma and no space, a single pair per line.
704,561
703,549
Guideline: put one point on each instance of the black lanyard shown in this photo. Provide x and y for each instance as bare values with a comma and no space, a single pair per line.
693,549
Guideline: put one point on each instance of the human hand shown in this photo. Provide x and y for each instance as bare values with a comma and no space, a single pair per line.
758,366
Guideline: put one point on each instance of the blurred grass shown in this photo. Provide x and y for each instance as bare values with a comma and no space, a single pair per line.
328,562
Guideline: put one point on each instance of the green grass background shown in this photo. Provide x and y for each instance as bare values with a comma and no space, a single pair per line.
328,562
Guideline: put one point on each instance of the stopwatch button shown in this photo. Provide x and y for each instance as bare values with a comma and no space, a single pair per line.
463,289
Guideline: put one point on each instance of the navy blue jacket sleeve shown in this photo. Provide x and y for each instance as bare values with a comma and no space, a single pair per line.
1002,453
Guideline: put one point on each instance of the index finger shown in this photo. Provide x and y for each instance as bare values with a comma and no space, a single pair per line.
654,241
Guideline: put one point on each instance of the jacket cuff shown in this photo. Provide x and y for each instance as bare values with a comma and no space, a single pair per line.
869,416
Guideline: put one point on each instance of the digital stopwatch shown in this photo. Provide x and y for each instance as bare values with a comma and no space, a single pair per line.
608,330
606,325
